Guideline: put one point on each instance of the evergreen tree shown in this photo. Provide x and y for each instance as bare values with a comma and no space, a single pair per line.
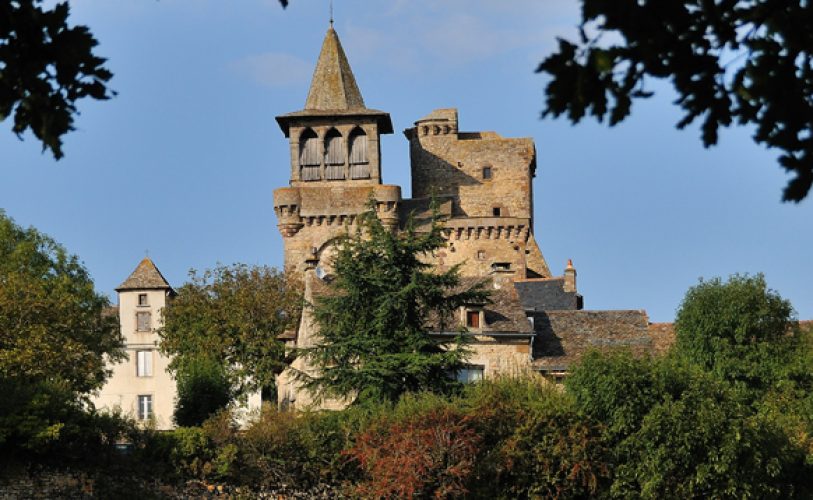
374,341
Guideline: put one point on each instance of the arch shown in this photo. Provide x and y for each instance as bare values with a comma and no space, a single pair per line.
309,163
359,160
334,155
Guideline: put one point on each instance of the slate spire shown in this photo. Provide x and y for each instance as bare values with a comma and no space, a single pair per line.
333,87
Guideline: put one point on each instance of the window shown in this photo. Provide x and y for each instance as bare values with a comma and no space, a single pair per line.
487,173
481,254
143,320
473,319
496,211
144,407
359,163
309,156
501,266
470,374
334,155
144,363
142,299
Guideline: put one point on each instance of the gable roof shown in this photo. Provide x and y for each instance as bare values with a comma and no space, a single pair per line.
145,277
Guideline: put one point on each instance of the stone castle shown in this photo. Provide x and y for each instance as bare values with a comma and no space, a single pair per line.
482,183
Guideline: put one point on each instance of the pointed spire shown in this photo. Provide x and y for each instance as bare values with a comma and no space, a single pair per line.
333,86
145,277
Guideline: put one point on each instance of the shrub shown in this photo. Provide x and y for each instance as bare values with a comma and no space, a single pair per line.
429,454
203,390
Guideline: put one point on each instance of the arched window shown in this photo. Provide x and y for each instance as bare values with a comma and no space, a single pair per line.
359,165
309,156
334,155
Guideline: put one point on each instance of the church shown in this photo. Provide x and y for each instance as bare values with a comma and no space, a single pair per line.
483,185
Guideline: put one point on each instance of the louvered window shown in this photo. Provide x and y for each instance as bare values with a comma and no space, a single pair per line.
334,155
359,166
309,156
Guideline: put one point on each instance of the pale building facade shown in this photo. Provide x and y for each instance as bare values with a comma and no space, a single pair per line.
141,386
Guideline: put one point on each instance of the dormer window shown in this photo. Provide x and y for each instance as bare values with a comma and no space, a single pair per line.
334,155
309,162
359,162
473,319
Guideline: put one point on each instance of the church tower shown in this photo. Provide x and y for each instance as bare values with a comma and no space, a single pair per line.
335,161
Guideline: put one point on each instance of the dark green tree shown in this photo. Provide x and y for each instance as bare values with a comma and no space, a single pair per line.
745,62
233,314
374,319
203,390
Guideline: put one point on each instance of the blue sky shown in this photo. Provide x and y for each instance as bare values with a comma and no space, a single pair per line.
184,161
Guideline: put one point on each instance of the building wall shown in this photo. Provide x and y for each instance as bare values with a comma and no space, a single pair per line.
124,386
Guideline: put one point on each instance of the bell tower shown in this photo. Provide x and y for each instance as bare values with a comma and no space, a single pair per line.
335,161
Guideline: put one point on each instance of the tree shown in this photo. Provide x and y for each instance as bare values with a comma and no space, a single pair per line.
740,329
731,61
373,323
54,336
46,66
203,389
233,314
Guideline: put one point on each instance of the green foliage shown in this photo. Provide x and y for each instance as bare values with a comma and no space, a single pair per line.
55,337
203,389
46,65
738,61
233,314
740,329
373,323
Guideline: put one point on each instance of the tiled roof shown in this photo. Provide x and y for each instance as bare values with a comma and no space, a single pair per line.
562,337
145,277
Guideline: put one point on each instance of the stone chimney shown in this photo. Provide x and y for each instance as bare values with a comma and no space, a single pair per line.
570,277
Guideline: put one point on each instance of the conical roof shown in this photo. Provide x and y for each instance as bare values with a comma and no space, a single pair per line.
333,90
333,87
145,277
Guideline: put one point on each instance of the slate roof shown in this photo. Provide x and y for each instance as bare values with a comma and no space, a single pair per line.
546,294
333,90
562,337
503,313
145,277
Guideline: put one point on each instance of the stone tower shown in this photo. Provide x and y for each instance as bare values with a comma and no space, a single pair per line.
335,162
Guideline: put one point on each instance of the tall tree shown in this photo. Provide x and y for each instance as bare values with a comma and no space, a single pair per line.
373,322
52,325
748,62
233,314
54,337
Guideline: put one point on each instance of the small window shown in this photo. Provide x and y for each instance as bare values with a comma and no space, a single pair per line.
142,299
144,407
481,254
470,374
473,319
144,363
487,173
143,321
496,211
501,266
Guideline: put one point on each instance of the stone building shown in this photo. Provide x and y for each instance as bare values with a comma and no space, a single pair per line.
482,183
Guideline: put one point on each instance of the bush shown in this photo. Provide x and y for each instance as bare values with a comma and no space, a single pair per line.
429,454
203,390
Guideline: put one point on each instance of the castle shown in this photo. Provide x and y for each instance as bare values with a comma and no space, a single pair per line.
482,183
